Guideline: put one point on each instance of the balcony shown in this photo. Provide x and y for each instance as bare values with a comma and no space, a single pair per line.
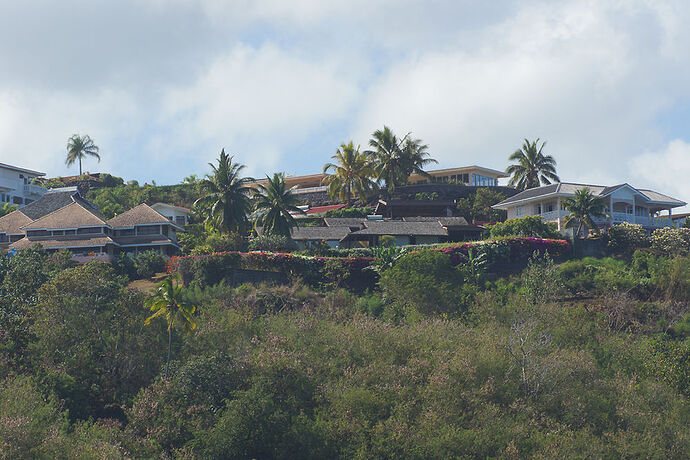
33,190
616,217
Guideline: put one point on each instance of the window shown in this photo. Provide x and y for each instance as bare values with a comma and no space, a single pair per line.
537,209
149,230
127,232
17,200
180,220
165,230
37,233
520,211
89,230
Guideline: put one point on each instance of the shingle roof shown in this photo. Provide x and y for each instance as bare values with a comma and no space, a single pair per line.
530,193
51,201
139,215
70,216
402,228
445,221
344,221
660,197
319,233
13,222
70,241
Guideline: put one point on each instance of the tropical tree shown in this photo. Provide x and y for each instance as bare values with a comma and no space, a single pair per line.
225,200
78,148
532,168
7,208
414,157
167,301
584,207
273,205
352,174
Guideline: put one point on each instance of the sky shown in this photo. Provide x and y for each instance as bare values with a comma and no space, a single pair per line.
162,85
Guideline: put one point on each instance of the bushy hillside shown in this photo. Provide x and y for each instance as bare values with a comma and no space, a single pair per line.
588,358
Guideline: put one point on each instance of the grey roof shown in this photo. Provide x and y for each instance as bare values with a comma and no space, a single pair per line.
69,241
445,221
568,188
70,216
153,240
12,223
24,170
345,221
51,201
319,233
402,228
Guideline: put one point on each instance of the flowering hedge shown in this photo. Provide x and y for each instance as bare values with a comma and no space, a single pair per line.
506,249
212,268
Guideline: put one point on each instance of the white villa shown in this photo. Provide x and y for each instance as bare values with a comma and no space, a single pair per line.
17,185
623,202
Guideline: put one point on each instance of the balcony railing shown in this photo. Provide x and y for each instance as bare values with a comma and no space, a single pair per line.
311,189
31,189
616,217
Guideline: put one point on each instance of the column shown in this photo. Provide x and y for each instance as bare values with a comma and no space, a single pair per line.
558,212
610,211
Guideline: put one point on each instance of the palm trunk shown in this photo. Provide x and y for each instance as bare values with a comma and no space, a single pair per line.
167,364
80,166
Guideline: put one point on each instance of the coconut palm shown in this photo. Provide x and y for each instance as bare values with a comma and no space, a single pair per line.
225,200
386,157
78,148
273,205
583,207
167,301
414,157
352,174
532,167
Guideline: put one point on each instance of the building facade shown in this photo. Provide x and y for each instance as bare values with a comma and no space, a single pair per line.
18,185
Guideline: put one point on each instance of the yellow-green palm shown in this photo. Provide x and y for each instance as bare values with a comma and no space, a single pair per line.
167,302
78,148
353,174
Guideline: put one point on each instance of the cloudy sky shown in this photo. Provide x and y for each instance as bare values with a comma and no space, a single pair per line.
163,85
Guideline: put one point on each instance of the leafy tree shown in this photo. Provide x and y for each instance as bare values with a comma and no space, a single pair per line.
395,159
225,199
352,174
532,167
80,147
7,208
167,301
273,205
583,207
477,206
530,226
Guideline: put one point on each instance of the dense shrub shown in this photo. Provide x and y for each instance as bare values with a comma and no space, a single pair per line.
426,281
626,237
349,212
529,226
671,241
148,263
272,243
222,242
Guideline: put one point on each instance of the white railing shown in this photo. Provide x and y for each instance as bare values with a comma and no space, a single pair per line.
31,189
322,188
616,217
553,215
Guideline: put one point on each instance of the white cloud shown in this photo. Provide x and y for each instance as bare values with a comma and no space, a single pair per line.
666,170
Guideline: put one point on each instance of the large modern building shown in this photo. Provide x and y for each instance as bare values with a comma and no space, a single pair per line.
17,185
477,176
623,202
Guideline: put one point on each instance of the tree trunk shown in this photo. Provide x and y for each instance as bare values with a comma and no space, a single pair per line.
80,166
167,364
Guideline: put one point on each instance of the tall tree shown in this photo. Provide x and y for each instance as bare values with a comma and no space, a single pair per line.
414,156
273,205
352,174
167,301
225,200
386,157
532,168
78,148
584,207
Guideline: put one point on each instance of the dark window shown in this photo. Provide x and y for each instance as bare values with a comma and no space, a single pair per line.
149,230
179,220
89,230
165,230
17,200
70,232
127,232
32,233
4,238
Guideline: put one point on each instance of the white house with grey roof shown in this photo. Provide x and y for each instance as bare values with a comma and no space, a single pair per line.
18,185
623,202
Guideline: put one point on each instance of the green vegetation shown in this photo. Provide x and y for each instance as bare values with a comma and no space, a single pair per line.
584,207
589,358
352,175
477,206
349,212
530,226
532,168
273,204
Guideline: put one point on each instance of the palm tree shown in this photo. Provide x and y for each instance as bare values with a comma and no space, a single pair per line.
78,148
352,174
533,168
583,207
386,157
167,301
273,205
414,157
225,199
7,208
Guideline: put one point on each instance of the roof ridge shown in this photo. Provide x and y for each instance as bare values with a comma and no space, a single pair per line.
63,208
